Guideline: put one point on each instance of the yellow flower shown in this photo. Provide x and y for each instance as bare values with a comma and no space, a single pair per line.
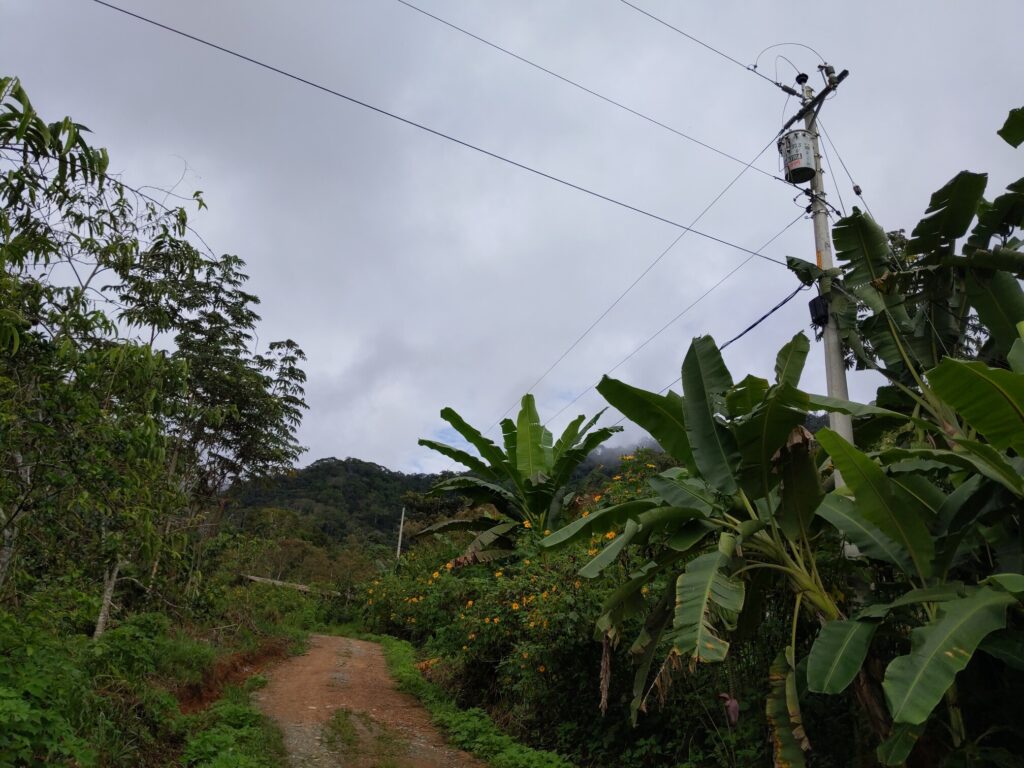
498,574
585,513
617,477
369,591
576,583
465,647
526,655
369,602
533,624
448,566
542,669
487,619
472,635
543,595
437,575
469,603
526,562
547,532
592,551
527,524
628,458
515,606
644,590
610,535
651,466
496,619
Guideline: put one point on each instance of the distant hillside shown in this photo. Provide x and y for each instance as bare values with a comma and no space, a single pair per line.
332,498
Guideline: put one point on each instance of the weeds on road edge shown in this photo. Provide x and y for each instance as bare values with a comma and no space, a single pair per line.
471,730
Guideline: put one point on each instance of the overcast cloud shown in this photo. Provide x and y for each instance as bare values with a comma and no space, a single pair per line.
417,273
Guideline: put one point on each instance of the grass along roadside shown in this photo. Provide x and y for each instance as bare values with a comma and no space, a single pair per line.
471,730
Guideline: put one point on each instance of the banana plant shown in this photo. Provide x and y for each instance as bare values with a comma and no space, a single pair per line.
902,306
742,501
925,512
526,481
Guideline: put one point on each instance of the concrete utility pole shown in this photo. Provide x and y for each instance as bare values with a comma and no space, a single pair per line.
802,158
401,527
835,369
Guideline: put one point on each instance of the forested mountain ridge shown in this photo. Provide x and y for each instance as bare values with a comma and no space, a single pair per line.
333,498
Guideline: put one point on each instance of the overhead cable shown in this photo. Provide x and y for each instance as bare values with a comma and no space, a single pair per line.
739,336
584,88
435,132
675,319
752,68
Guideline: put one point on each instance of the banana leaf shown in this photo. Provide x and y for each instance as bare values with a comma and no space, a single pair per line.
991,400
882,503
661,415
705,382
914,684
838,653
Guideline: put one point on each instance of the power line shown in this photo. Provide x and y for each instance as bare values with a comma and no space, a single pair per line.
433,131
632,285
698,41
856,187
765,316
583,88
739,336
674,320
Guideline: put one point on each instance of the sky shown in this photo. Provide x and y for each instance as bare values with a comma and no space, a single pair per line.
418,274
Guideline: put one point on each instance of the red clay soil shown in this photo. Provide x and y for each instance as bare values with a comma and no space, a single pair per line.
232,669
340,673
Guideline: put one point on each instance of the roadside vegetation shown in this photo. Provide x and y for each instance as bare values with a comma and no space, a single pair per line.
716,599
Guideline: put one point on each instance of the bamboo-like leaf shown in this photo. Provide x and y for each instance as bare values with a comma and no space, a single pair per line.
914,684
702,588
534,454
838,654
879,504
661,415
950,213
705,381
788,739
789,363
842,513
991,400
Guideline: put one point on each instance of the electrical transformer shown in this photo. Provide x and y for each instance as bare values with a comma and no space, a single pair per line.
797,150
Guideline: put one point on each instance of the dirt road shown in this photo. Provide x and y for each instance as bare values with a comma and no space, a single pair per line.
337,706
